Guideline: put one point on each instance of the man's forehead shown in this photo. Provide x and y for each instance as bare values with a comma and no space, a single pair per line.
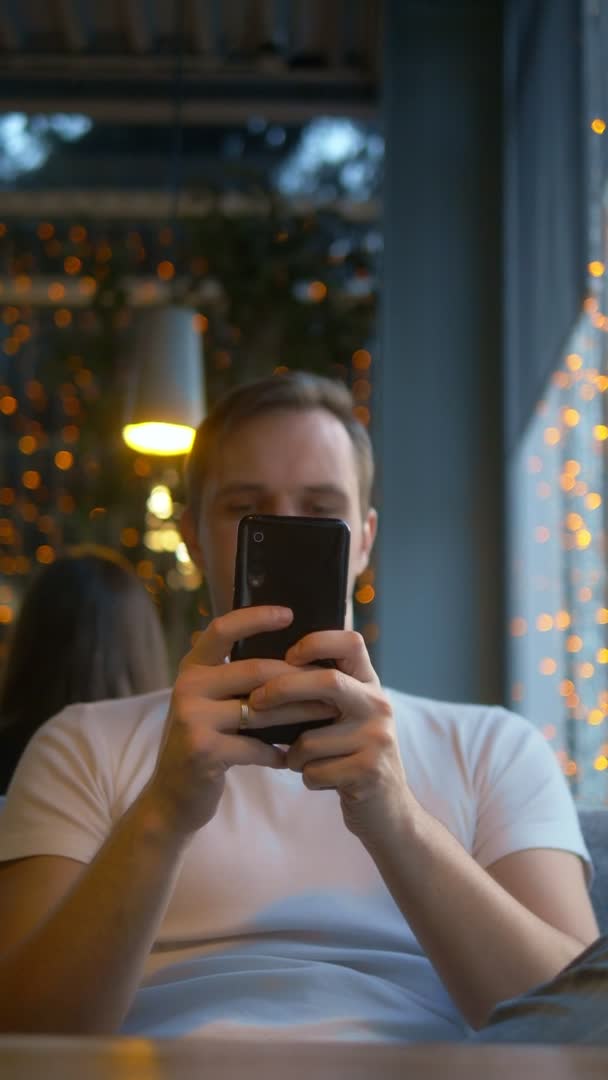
246,485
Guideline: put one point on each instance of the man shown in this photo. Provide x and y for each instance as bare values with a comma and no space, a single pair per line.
393,875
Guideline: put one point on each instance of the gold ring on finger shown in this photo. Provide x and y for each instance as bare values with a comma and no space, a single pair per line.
244,718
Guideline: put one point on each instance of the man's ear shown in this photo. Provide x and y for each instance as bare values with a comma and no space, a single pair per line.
368,535
188,530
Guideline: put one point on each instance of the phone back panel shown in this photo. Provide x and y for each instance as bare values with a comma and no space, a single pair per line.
301,563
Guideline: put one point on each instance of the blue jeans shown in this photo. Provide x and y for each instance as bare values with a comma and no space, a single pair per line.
572,1008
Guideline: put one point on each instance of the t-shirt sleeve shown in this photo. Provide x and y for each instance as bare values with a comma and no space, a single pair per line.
58,802
523,799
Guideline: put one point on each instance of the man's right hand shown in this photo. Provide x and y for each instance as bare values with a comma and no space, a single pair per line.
201,739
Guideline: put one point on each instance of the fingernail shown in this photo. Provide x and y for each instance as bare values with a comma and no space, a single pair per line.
283,614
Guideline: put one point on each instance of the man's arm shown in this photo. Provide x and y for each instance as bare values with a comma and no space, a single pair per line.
74,938
489,934
494,934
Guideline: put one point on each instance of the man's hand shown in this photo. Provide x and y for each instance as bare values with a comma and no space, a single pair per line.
358,754
202,739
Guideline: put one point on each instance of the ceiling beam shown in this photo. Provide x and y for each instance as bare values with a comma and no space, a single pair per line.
145,205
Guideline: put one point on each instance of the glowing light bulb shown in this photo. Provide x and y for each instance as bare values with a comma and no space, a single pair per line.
155,438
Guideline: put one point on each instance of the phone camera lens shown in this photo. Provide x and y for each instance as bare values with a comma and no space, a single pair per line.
258,537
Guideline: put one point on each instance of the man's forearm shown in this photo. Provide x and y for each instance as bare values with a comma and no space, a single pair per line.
484,944
77,972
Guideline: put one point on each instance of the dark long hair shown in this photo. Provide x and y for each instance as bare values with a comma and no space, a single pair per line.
87,630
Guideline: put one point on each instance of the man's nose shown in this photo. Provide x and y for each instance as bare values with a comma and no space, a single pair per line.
281,504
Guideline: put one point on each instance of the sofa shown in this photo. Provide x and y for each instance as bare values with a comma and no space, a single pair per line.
594,824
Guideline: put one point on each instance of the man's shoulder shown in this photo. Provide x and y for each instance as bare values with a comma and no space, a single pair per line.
111,720
444,712
460,720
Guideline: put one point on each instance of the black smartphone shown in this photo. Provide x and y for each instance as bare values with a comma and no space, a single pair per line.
300,563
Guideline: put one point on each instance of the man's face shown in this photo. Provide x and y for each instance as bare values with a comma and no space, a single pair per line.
282,462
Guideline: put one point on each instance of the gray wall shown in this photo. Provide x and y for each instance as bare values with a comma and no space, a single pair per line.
438,430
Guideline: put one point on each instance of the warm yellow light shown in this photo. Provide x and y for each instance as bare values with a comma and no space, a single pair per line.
31,479
600,432
602,616
593,500
598,125
129,537
601,763
361,359
583,538
547,666
544,622
365,595
602,383
160,502
156,438
551,436
574,361
27,444
571,417
574,521
566,687
8,405
595,717
562,620
45,554
64,460
596,268
574,643
317,291
586,670
602,656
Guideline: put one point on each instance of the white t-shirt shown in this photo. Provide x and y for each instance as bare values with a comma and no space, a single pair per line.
279,923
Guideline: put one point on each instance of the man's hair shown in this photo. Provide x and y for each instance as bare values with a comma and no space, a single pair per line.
297,390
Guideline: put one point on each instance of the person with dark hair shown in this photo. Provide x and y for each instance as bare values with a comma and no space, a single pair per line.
87,630
393,875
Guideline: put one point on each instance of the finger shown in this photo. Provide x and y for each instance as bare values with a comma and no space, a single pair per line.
328,685
333,741
243,751
236,679
213,645
345,647
226,715
336,773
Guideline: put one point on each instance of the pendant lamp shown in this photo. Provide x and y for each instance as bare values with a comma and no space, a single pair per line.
166,401
166,397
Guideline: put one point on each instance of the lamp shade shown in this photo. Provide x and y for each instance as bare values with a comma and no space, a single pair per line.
166,400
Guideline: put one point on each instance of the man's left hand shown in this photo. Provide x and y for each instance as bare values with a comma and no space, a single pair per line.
358,754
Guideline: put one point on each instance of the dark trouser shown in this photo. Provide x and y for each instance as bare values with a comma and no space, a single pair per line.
572,1008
